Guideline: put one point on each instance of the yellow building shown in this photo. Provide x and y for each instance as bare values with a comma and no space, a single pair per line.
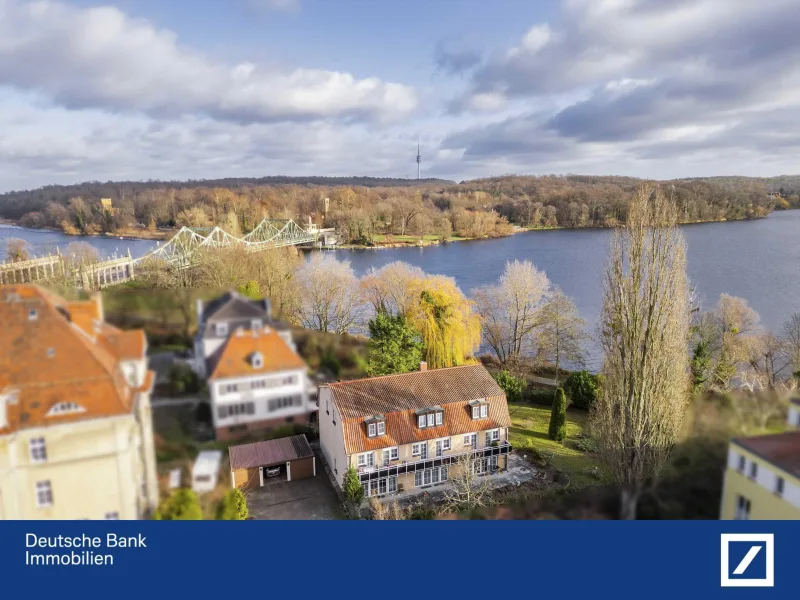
76,437
762,478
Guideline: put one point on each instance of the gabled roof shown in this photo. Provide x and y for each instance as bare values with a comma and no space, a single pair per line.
781,450
399,397
48,357
236,357
269,452
232,305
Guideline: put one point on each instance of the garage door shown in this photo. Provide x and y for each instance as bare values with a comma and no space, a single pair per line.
246,479
303,468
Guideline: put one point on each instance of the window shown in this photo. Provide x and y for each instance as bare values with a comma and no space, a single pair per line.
51,352
439,418
753,470
65,408
257,324
742,509
365,460
381,428
32,314
234,410
446,444
471,439
221,328
44,494
492,436
421,421
258,384
742,461
420,449
228,388
112,516
285,402
371,430
430,476
257,360
327,406
484,411
779,483
475,412
431,418
38,450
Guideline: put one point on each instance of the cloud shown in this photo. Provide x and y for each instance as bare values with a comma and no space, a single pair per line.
101,58
276,5
455,58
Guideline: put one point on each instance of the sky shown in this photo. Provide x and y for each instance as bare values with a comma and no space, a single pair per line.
202,89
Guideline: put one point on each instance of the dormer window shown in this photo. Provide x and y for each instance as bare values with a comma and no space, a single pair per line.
257,324
33,314
376,425
430,417
257,360
479,409
221,328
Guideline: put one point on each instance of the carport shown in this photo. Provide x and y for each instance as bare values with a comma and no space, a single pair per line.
252,464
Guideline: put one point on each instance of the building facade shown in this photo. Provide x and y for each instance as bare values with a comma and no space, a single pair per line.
762,477
76,435
404,432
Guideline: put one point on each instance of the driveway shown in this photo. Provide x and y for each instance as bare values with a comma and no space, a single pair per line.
304,499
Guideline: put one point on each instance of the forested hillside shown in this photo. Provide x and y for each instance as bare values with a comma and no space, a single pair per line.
363,208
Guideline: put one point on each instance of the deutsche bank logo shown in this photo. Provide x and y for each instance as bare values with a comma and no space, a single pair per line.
748,560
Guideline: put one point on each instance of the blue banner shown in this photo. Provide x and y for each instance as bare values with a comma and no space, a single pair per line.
481,559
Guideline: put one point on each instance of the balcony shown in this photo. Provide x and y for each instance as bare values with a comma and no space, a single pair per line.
402,468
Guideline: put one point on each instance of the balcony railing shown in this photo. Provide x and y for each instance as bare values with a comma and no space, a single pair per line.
402,468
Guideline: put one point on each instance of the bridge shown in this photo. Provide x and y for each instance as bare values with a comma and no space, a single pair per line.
178,251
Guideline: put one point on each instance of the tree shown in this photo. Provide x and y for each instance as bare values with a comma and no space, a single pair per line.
251,289
351,486
394,288
701,365
450,330
791,338
383,512
510,310
17,250
181,505
563,331
513,386
644,336
581,387
734,328
558,417
468,489
394,346
233,506
327,295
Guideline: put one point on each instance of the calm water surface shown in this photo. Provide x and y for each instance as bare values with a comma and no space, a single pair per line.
757,260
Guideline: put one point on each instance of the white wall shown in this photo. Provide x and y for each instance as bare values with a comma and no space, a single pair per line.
794,415
331,436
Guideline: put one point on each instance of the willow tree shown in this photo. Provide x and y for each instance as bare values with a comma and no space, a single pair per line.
450,330
644,335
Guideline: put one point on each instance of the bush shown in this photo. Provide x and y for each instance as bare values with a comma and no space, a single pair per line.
233,506
540,396
330,363
352,488
558,418
182,380
182,505
586,444
582,388
514,387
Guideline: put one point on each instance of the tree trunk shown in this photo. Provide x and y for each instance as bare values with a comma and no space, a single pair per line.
629,499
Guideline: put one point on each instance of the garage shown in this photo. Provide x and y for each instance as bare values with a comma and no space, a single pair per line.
272,461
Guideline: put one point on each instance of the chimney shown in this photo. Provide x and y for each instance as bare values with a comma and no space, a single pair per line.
267,308
423,366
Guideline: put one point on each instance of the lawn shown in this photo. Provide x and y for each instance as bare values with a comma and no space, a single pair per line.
529,424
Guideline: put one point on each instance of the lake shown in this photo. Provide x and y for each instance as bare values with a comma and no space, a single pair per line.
757,260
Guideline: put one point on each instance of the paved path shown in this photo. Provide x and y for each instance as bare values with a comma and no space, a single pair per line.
182,401
544,381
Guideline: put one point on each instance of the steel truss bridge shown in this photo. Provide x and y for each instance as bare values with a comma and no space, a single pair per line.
268,234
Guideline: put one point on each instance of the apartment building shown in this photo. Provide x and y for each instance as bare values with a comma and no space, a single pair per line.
762,476
405,432
76,435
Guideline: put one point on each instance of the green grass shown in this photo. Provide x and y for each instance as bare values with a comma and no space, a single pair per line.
529,426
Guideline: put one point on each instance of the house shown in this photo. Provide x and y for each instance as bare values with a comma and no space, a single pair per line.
258,382
283,459
794,412
217,319
402,432
76,435
762,477
205,471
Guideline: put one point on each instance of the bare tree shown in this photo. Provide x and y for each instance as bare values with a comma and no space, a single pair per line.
327,295
791,338
17,249
393,288
467,488
734,329
768,358
644,335
563,331
405,209
384,512
510,310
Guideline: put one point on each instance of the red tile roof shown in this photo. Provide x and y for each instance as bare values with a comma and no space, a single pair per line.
781,449
397,397
235,360
48,358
